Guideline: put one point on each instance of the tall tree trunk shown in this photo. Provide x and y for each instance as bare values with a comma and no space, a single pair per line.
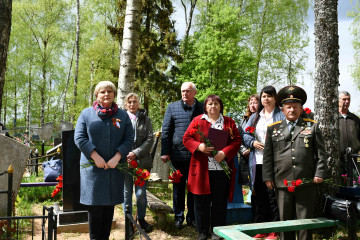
28,114
67,84
91,84
129,49
327,82
5,28
188,21
77,41
15,105
43,86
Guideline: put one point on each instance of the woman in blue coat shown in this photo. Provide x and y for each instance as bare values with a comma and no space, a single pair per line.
263,200
103,133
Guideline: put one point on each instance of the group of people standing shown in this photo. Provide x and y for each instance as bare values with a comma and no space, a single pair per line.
285,144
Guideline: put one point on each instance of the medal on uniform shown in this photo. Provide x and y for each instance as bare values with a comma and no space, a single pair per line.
306,142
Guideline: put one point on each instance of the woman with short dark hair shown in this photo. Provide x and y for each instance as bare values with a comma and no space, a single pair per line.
263,200
208,181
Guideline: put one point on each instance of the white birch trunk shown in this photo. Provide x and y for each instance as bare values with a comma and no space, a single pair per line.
129,49
327,80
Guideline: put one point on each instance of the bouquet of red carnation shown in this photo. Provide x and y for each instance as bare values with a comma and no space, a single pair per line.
298,182
141,175
207,142
175,175
58,187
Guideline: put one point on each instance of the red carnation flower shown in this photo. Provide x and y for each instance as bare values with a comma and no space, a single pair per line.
291,189
307,110
134,164
286,183
142,183
138,181
298,182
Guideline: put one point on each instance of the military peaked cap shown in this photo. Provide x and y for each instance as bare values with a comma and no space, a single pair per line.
291,94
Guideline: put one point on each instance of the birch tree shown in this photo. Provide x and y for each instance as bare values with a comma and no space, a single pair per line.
129,49
5,28
327,79
77,46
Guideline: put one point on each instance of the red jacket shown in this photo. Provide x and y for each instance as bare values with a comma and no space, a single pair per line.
198,179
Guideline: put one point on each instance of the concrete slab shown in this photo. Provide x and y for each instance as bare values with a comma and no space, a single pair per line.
11,153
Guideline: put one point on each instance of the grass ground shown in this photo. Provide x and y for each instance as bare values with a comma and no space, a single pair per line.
31,200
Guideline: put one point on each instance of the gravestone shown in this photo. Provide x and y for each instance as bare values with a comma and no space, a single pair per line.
12,153
73,210
159,166
66,126
46,131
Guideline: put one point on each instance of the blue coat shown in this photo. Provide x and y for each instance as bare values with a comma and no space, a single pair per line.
99,186
248,140
176,120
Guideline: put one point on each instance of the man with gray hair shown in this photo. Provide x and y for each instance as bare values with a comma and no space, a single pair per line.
177,118
349,125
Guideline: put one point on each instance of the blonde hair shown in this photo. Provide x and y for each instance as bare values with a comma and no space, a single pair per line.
104,85
130,95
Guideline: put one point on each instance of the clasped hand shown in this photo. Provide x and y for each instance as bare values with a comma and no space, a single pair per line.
208,150
100,162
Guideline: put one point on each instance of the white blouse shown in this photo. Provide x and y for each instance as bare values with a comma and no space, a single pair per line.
219,124
260,134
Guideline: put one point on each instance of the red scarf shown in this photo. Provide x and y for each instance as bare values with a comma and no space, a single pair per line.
104,113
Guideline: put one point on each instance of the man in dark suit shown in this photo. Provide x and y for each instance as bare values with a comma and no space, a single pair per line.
294,149
177,118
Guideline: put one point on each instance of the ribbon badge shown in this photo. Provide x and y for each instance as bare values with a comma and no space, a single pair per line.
116,122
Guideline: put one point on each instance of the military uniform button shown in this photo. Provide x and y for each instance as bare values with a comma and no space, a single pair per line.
294,166
292,149
293,158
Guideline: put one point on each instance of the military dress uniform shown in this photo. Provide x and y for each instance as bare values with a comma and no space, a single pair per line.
291,153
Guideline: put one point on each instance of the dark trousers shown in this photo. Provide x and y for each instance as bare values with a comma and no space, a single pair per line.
300,205
210,209
265,208
179,193
100,220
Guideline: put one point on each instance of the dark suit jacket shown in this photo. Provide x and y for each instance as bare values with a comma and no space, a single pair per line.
176,120
301,155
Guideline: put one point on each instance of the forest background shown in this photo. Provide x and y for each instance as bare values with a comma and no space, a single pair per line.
231,48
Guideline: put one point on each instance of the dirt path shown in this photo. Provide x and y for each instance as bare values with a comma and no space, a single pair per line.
165,232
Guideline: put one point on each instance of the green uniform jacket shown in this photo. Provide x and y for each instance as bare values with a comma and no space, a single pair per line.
296,156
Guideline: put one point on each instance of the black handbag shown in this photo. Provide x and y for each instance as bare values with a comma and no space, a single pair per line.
340,209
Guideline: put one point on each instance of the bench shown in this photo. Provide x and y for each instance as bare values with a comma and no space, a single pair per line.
244,230
158,207
39,184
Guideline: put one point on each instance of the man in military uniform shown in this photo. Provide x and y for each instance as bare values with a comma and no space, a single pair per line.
294,149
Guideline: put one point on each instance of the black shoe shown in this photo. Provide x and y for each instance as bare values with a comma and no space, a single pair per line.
178,224
202,236
191,222
215,237
145,225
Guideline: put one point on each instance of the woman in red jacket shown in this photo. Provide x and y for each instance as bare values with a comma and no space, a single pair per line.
207,179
